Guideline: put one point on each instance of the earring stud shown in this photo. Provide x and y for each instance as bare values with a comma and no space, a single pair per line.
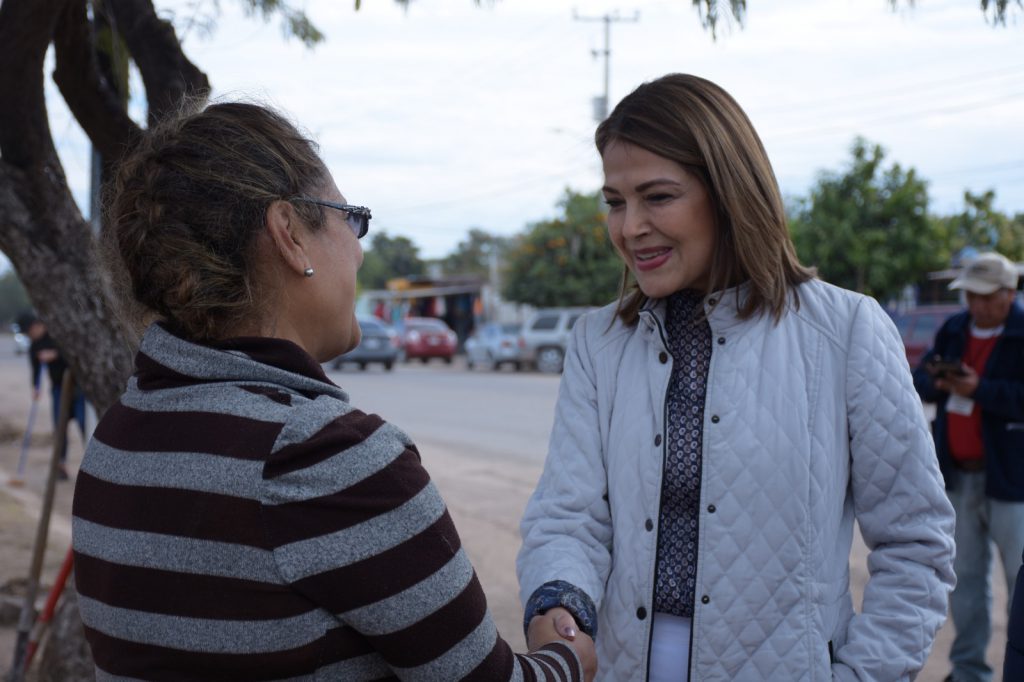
308,272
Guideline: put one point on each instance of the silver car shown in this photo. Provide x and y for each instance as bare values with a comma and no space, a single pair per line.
492,345
379,344
544,337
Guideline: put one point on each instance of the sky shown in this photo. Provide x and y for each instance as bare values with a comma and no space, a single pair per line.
451,114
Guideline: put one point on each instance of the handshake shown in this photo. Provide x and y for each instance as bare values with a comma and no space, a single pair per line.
558,625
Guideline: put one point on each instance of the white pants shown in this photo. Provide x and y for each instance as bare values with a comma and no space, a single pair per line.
670,648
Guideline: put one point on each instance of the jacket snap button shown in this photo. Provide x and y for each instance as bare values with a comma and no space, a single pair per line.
721,340
712,301
649,525
711,509
641,613
663,357
705,599
714,419
657,439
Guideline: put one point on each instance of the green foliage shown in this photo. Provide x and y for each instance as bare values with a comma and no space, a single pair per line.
295,21
998,8
993,10
473,255
388,258
980,225
13,299
565,261
710,13
867,229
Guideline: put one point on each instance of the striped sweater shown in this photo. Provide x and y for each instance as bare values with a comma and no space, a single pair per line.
235,518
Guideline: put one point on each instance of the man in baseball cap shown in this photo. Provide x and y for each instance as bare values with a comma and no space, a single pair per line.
986,274
974,373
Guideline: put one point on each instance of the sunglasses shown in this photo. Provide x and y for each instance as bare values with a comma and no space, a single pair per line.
357,217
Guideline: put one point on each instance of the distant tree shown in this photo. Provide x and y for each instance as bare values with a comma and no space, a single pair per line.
387,258
998,9
713,11
983,227
13,298
472,255
565,261
867,228
994,10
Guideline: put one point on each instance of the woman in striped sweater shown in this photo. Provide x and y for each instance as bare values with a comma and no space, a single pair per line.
235,517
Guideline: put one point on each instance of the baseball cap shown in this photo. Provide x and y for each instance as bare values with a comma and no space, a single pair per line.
986,274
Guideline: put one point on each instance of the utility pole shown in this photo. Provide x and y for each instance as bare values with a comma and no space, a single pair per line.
601,101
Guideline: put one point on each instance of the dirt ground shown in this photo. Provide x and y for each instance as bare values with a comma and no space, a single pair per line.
486,499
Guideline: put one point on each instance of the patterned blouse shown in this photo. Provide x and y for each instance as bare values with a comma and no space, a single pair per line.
689,341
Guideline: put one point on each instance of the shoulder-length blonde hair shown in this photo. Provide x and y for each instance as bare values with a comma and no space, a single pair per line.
698,125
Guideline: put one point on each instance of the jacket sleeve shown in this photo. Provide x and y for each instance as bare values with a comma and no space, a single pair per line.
359,529
904,515
923,382
35,367
567,526
1013,663
1001,396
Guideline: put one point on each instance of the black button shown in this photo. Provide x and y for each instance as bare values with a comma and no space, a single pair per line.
657,439
649,525
641,613
705,599
663,357
712,509
712,301
605,497
714,419
721,340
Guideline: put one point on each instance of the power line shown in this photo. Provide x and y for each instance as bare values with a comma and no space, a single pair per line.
1009,165
846,128
898,91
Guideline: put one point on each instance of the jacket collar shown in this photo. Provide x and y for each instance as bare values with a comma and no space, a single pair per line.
165,359
721,308
1014,325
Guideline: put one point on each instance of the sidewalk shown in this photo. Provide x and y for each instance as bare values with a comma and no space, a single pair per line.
485,496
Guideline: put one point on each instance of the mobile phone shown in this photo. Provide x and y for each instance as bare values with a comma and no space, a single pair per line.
942,368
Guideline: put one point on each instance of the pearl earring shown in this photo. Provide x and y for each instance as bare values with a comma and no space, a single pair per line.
308,272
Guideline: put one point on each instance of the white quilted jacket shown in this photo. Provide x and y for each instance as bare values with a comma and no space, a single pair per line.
807,425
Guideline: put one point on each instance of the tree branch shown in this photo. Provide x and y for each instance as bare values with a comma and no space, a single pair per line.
93,102
26,27
167,73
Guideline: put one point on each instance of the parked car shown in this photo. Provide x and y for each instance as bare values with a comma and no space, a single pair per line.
545,335
492,345
917,327
428,337
379,344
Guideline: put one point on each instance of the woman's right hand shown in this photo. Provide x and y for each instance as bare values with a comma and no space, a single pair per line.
558,625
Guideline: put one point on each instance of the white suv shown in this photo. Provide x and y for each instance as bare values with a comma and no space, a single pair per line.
544,337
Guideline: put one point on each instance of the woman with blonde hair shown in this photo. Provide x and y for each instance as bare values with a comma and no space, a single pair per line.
235,516
720,428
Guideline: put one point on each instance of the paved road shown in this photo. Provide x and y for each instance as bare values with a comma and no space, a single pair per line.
501,414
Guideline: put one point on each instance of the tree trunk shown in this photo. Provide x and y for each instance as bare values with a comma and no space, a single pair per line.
42,231
44,235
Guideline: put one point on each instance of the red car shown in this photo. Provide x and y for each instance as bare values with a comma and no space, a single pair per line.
428,337
918,326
